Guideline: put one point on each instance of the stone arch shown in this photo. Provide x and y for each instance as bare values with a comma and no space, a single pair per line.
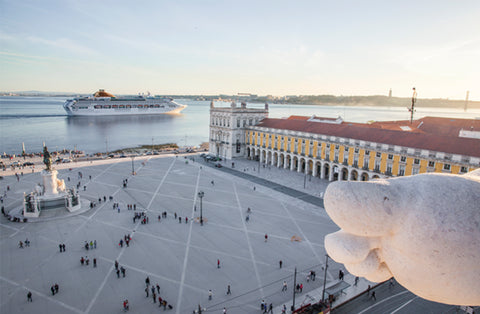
264,155
354,175
281,160
375,176
310,164
336,172
364,176
269,158
326,168
275,160
289,161
295,162
344,174
301,165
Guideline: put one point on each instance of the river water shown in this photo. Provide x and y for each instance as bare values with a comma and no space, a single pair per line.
34,120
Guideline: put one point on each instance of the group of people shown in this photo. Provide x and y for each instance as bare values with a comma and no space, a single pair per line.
156,290
61,247
266,308
127,238
90,245
54,289
120,270
27,243
85,261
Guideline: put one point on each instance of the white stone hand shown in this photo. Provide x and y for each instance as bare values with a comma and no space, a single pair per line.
424,230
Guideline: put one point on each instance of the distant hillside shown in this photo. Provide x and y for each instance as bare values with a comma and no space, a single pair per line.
330,100
323,100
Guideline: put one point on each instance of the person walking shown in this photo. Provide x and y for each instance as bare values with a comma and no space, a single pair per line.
280,263
94,262
123,271
373,296
228,290
29,296
356,281
218,263
284,288
209,294
158,289
266,237
146,291
147,281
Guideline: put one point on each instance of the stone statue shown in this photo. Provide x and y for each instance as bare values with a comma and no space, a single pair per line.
424,230
47,158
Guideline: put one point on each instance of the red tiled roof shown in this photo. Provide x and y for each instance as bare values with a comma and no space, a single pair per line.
431,141
433,125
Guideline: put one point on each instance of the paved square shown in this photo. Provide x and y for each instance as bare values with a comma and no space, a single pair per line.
181,257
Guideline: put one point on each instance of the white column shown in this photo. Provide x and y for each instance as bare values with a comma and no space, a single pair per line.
314,170
322,171
285,159
291,164
330,175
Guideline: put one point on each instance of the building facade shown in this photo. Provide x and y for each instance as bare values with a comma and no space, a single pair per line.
228,126
337,150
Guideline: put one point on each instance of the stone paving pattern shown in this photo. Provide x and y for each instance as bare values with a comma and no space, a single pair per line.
181,257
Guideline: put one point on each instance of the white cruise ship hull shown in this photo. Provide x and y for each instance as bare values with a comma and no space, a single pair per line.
107,107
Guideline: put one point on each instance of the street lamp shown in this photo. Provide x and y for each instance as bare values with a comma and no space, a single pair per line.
325,278
201,194
133,167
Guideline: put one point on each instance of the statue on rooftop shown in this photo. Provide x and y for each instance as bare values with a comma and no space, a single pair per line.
47,158
424,230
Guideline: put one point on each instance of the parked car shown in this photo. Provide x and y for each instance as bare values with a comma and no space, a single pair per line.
28,163
66,160
219,165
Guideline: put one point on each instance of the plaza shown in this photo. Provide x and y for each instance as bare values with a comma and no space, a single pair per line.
181,257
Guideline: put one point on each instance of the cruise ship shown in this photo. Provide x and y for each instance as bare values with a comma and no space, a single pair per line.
103,103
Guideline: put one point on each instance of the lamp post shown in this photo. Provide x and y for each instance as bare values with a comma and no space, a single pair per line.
201,194
133,167
325,278
294,286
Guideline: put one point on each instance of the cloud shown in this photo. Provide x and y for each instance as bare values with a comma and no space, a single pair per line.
64,44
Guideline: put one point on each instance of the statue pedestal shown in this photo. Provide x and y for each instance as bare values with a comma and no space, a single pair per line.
50,182
52,196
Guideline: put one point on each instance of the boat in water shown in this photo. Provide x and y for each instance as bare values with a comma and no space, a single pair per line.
103,103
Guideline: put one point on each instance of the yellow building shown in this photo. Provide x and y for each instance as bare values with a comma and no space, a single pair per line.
337,150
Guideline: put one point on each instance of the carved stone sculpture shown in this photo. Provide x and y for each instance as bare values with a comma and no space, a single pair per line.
47,158
424,230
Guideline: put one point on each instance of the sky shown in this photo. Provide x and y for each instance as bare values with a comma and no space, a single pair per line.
228,47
